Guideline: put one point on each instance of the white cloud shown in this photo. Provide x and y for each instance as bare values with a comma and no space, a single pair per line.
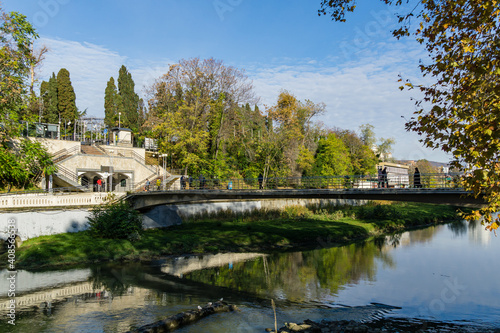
365,90
90,68
362,90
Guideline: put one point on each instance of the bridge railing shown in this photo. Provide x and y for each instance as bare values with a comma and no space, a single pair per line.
430,180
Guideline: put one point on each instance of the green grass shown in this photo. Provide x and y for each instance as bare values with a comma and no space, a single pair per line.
225,232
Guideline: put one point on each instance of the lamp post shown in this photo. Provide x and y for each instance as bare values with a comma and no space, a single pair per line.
66,131
164,156
119,119
112,171
40,108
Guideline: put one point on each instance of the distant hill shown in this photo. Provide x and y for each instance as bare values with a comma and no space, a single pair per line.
433,163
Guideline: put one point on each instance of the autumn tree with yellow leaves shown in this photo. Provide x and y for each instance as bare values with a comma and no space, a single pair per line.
194,110
460,110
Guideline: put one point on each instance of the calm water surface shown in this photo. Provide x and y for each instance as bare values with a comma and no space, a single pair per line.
446,273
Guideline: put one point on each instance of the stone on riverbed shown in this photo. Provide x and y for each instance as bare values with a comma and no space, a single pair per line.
383,325
184,318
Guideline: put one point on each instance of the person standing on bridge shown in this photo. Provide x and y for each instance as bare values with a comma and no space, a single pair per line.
183,182
385,182
416,179
379,177
99,185
261,180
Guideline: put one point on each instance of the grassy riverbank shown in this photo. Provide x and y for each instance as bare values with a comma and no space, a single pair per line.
295,227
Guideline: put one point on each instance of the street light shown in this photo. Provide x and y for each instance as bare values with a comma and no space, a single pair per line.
119,119
40,104
164,156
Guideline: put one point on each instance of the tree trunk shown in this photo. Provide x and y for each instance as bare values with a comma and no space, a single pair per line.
184,318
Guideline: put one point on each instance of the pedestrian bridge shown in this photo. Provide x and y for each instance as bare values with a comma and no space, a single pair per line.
143,201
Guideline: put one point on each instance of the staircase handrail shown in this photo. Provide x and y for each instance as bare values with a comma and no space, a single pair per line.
59,152
138,185
68,152
67,173
142,161
98,146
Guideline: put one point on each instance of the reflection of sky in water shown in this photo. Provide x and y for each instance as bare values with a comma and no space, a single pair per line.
452,277
443,273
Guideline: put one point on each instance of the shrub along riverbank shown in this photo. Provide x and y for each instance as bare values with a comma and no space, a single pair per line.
295,227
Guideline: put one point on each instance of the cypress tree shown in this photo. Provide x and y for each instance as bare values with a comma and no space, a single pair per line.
111,104
48,94
129,100
48,90
66,97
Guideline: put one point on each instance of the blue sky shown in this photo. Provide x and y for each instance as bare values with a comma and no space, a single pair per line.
352,67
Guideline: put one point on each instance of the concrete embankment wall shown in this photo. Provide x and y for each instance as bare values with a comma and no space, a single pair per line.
173,214
39,222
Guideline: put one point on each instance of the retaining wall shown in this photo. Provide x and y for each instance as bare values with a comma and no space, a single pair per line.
30,224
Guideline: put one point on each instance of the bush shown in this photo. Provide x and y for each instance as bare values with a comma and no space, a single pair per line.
116,221
378,212
295,211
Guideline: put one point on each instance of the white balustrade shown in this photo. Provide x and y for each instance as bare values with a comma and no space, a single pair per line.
54,200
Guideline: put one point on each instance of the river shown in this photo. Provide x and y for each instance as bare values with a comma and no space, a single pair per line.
446,273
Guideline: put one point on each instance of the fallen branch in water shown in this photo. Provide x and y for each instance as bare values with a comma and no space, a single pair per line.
184,318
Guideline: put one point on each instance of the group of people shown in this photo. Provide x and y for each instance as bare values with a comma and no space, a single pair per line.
147,185
384,183
185,180
382,178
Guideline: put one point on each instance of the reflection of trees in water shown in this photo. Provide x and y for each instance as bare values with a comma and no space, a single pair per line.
423,235
298,276
393,240
473,225
406,238
115,279
459,228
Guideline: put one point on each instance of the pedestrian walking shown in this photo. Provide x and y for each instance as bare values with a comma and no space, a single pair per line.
385,182
379,177
416,179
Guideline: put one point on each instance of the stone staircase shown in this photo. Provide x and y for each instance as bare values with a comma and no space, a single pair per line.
91,150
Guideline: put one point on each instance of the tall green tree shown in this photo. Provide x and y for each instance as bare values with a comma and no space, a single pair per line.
199,100
384,148
111,104
48,93
66,98
460,111
129,101
292,121
16,39
22,163
332,157
363,158
368,135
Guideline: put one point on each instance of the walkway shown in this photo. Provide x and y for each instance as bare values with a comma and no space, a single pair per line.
145,200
